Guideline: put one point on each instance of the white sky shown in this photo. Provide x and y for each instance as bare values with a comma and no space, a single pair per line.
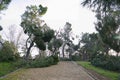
59,12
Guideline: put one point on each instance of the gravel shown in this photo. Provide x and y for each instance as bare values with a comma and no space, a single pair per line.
63,71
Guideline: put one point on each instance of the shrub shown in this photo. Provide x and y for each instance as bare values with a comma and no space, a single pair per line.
8,52
107,62
50,60
75,57
38,63
119,77
20,63
55,58
44,62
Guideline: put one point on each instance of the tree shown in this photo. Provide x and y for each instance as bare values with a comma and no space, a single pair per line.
8,52
39,33
66,36
108,16
102,5
92,46
85,49
4,4
54,45
108,28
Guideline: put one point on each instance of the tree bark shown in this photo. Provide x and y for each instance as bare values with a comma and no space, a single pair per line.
28,50
63,48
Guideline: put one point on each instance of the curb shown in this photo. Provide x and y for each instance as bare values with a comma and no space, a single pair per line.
90,74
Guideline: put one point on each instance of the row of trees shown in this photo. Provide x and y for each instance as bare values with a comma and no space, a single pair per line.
39,34
108,18
96,46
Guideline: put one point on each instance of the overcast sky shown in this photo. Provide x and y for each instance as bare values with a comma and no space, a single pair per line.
59,12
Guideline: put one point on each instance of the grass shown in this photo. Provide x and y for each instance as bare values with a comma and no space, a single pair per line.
6,68
110,74
15,76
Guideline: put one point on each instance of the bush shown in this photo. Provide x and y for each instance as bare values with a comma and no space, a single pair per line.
55,58
119,77
113,63
44,62
75,57
107,62
20,63
38,63
8,52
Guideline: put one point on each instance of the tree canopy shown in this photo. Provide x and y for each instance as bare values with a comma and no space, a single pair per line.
108,20
37,30
4,4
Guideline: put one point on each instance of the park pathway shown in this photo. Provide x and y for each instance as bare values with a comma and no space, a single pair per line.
63,71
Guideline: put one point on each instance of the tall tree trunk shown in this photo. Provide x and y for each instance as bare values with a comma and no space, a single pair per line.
28,50
63,48
54,51
1,43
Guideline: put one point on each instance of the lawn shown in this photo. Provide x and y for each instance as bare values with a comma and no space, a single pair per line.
6,68
15,76
110,74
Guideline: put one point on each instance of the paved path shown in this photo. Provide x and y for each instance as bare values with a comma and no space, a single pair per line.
62,71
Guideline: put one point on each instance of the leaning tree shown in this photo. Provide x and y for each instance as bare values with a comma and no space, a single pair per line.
39,33
66,36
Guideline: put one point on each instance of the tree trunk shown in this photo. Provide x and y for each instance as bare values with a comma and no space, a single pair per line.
54,51
1,43
28,50
63,48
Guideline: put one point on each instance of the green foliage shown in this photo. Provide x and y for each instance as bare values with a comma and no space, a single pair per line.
20,63
58,43
102,5
48,35
42,10
6,68
119,77
40,43
55,58
109,74
108,18
108,27
39,33
93,45
7,53
76,57
39,63
44,62
107,62
55,44
4,4
31,22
